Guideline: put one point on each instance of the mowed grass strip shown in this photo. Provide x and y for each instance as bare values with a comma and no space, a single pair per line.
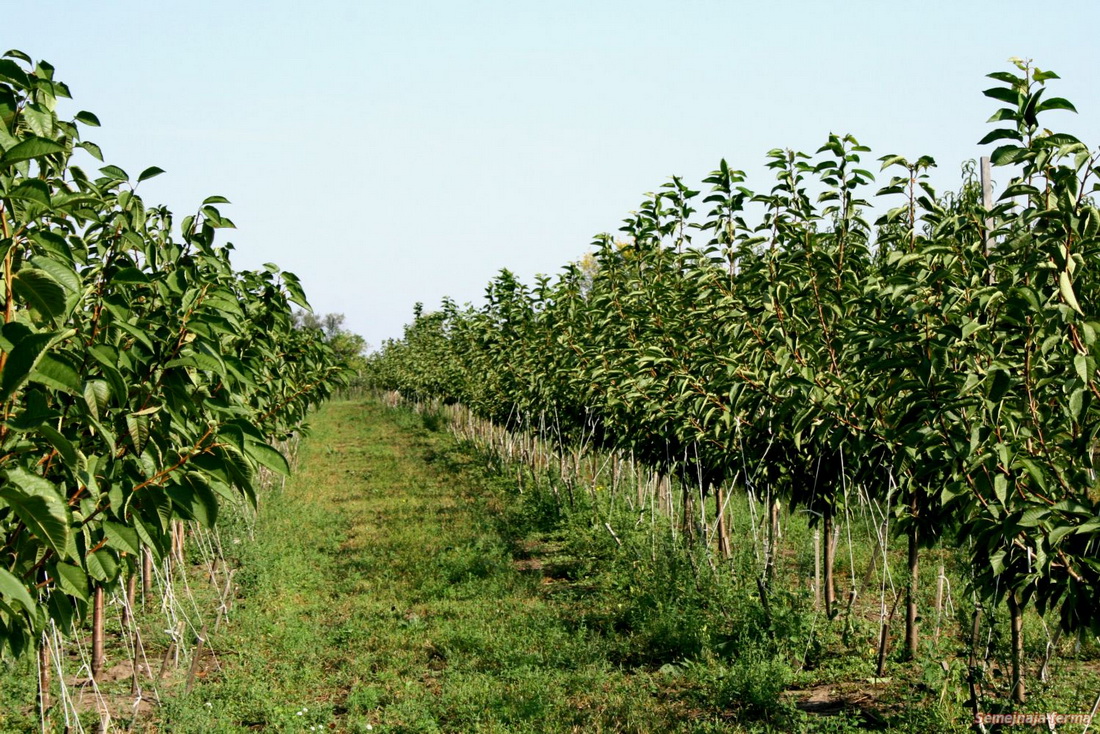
379,595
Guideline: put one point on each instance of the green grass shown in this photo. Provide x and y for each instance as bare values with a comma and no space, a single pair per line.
400,582
382,592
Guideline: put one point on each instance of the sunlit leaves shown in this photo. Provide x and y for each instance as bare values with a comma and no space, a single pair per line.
124,348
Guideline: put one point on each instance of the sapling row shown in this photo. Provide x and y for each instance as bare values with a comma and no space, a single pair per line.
144,381
937,365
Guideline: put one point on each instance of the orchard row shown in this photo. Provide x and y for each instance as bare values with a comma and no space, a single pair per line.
942,358
143,380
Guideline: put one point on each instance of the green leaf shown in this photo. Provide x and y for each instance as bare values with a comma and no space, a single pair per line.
21,360
39,290
12,72
1065,285
102,566
997,562
1081,365
1032,517
267,456
1001,134
60,271
31,189
114,173
149,173
194,498
1035,472
138,428
129,275
30,148
96,396
1002,94
1055,103
64,447
52,371
13,589
122,538
39,505
72,580
1076,404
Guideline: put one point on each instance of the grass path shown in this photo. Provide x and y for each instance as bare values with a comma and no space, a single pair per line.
380,595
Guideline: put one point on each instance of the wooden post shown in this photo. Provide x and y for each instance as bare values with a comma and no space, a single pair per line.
939,601
773,538
170,652
987,202
723,530
196,659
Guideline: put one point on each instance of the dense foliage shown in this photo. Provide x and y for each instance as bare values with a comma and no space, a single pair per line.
142,378
943,359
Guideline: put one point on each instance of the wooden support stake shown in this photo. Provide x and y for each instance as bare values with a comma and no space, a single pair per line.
987,202
723,529
196,659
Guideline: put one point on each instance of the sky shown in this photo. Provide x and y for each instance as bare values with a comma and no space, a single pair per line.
395,152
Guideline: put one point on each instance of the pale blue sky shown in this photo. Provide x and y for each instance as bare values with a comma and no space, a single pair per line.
398,152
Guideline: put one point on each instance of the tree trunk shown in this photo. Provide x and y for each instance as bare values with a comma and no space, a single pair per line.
146,576
911,592
97,631
44,678
830,555
1016,614
720,515
972,664
131,597
817,568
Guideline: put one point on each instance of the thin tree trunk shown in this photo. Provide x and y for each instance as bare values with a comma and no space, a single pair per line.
1016,614
44,679
723,529
687,526
97,631
830,555
911,592
146,576
972,664
817,568
131,597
